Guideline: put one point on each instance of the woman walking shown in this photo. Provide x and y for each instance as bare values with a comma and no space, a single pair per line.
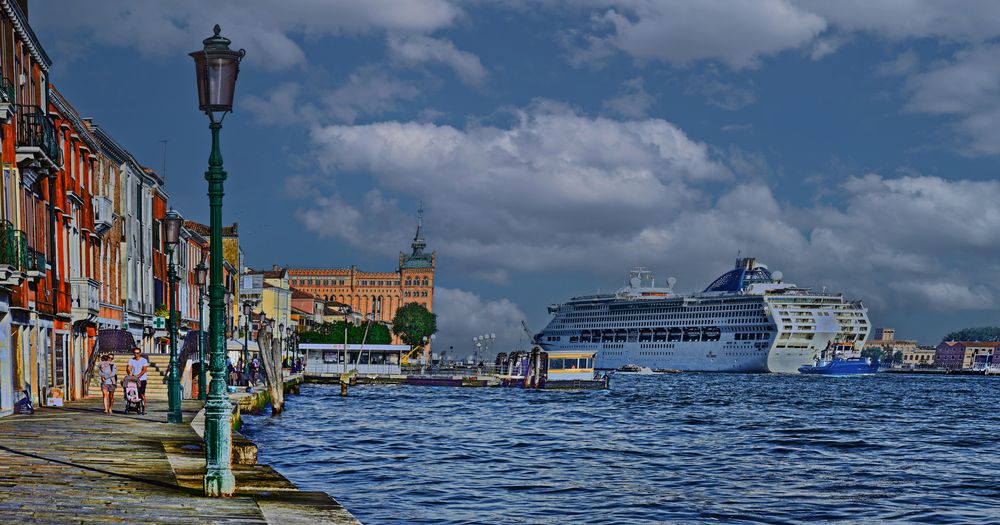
109,378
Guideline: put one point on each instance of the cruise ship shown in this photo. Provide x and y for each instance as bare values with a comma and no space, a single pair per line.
747,320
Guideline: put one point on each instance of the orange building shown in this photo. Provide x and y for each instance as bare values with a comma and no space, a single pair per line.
376,293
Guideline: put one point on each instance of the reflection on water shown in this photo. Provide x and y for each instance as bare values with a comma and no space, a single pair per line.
660,448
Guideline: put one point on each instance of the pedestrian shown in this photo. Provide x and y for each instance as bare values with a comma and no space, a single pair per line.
255,370
109,379
231,372
137,367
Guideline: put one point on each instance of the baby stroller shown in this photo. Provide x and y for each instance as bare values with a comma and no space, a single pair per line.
133,402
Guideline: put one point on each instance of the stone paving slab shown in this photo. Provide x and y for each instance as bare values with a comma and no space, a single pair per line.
75,464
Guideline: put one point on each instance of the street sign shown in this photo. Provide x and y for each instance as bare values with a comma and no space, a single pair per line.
160,322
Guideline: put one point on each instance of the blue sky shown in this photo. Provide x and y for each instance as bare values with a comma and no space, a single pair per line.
555,144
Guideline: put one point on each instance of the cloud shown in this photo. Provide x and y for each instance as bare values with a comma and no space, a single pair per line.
560,191
905,63
368,92
736,32
463,315
265,29
967,89
632,100
417,49
717,93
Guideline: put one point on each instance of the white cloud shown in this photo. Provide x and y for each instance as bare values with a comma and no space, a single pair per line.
632,100
463,315
718,93
263,27
737,32
418,49
368,92
559,191
967,88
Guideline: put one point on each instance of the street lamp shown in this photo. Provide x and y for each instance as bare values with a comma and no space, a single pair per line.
288,343
172,235
281,338
247,312
217,67
201,277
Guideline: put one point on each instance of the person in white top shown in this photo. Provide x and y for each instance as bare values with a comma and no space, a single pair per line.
137,367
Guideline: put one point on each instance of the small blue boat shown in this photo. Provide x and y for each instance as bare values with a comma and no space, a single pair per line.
842,367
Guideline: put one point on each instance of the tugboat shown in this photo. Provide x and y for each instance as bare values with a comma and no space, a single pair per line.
840,366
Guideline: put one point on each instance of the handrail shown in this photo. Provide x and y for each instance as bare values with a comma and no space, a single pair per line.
35,129
7,89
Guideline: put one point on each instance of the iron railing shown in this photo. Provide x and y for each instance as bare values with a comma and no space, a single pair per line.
13,246
34,129
36,261
7,90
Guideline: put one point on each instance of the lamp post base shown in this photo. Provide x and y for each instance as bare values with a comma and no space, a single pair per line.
220,483
219,479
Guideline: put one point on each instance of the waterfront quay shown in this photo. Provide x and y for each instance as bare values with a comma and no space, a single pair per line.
74,464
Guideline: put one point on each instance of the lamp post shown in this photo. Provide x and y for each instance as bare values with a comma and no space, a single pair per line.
247,312
172,234
260,328
217,67
288,343
201,276
281,339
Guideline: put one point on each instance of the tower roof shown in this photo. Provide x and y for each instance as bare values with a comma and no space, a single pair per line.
417,258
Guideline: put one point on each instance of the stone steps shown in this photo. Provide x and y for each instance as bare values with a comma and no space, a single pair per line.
156,386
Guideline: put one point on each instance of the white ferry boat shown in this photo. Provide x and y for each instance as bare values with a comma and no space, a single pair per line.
747,320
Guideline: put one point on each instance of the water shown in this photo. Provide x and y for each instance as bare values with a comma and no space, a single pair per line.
674,448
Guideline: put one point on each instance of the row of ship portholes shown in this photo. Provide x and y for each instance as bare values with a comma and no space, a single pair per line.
658,335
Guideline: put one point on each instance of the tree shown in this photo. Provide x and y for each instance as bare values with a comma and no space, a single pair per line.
413,323
875,354
982,333
333,333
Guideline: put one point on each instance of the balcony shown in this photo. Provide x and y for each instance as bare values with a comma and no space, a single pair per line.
6,99
36,138
35,263
12,264
104,214
86,299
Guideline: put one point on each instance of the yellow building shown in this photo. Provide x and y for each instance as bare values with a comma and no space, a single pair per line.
268,291
376,293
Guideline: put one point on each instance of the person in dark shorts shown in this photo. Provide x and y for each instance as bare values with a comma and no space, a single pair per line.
137,367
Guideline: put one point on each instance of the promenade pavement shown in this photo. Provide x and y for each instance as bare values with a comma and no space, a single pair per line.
75,464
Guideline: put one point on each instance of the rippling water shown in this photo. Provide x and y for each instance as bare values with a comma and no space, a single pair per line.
660,448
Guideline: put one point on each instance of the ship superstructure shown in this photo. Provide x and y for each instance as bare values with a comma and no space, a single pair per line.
747,320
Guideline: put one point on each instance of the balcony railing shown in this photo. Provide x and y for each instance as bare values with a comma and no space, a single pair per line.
35,130
104,214
35,263
86,296
6,90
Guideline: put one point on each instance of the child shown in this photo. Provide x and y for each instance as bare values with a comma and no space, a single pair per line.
109,378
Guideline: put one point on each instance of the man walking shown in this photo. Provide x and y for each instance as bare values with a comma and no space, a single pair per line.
137,367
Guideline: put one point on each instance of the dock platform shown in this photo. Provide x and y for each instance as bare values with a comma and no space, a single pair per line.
75,464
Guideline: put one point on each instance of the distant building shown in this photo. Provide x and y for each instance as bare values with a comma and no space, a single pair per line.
885,339
919,356
958,355
377,293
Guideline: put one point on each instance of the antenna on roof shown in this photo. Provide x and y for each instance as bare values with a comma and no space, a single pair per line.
164,142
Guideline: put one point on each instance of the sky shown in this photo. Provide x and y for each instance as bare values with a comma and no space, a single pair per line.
555,144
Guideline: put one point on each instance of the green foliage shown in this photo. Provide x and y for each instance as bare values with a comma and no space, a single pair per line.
897,357
413,322
333,333
161,311
873,353
983,333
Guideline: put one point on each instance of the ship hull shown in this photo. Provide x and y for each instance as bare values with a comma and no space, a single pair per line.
704,357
